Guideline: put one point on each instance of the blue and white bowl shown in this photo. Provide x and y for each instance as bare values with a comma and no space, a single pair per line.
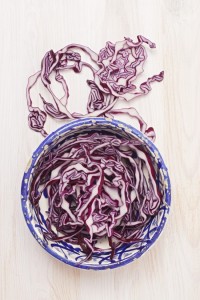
72,254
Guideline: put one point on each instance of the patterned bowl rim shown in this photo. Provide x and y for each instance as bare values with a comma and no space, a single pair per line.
98,121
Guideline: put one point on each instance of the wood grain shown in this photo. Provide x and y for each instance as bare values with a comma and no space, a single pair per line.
171,269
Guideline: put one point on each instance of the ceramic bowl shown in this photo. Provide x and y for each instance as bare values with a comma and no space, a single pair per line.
72,254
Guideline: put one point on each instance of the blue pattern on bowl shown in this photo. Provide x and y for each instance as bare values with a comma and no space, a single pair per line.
71,254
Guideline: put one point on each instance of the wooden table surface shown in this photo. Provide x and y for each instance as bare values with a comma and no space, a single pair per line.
171,269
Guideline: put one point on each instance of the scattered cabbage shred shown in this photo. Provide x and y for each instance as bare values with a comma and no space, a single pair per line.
117,66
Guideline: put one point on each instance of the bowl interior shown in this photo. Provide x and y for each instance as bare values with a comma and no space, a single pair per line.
72,254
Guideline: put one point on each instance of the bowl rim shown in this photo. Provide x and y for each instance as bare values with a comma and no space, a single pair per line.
57,133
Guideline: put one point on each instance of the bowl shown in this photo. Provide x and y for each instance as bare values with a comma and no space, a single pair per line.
73,254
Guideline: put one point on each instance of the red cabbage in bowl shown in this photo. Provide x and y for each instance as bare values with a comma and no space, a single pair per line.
98,186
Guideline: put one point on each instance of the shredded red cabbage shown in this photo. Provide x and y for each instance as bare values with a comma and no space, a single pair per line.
98,185
117,67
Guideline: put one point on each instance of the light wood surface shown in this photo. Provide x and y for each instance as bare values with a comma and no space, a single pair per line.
171,269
